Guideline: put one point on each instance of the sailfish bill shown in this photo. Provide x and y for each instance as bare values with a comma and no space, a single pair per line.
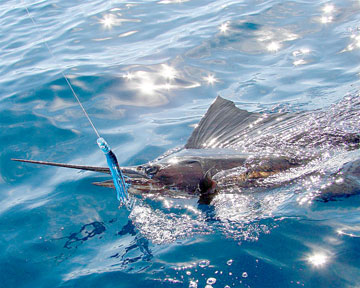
81,167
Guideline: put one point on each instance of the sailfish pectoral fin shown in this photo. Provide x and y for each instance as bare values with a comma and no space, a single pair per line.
81,167
208,189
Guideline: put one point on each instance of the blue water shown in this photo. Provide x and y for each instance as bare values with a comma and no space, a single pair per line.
146,71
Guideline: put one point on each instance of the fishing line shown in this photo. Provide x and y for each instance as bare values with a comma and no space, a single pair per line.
118,178
62,73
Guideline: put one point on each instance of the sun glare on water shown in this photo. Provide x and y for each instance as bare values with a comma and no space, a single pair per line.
224,27
108,21
328,8
318,259
273,46
210,79
328,11
168,72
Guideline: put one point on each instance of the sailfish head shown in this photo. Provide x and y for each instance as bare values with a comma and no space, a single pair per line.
178,176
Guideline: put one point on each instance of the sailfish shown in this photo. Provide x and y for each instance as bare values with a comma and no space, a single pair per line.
215,157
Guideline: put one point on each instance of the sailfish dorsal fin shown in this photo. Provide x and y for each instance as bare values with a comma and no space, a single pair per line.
221,124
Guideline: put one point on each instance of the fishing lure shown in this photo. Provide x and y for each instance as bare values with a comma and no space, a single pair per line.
118,178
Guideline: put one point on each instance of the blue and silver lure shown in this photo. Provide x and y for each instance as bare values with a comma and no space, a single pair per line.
118,178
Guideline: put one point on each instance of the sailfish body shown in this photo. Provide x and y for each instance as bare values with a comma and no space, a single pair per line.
214,153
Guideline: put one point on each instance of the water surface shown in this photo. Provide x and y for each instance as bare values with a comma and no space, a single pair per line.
147,71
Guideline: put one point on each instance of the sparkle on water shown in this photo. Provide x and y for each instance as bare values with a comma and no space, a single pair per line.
224,27
326,19
210,79
318,259
328,11
328,8
108,21
299,62
273,46
168,72
129,76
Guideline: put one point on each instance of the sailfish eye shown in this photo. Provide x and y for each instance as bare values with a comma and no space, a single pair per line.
151,170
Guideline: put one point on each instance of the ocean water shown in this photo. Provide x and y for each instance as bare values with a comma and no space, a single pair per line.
146,72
